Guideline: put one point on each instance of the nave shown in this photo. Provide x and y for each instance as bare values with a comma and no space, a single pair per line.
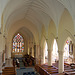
21,66
39,34
69,69
26,66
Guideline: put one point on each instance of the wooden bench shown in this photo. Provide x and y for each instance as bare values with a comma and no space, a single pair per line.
46,70
8,71
70,73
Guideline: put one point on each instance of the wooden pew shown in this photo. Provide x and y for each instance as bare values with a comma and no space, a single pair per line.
46,70
9,71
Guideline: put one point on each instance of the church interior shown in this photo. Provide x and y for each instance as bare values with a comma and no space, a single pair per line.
37,37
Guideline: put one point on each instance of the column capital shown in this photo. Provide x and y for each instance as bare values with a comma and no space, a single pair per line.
60,52
49,50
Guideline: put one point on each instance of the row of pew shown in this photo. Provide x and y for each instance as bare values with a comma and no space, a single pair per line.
46,70
28,60
69,69
52,70
8,71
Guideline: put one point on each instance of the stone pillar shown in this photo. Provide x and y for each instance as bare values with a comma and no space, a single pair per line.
61,62
0,62
4,57
49,57
9,62
1,51
8,55
37,52
74,53
8,51
42,56
32,52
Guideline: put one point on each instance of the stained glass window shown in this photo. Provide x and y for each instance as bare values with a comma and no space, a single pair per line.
67,42
18,43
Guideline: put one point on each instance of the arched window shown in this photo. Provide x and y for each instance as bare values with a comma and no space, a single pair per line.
46,52
68,51
18,43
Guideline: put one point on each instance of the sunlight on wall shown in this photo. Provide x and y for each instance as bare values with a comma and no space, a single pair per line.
45,60
46,50
55,51
66,51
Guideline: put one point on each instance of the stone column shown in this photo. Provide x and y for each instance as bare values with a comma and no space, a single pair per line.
0,62
49,57
61,62
73,53
8,55
37,51
1,51
8,50
4,57
42,56
39,54
9,62
32,52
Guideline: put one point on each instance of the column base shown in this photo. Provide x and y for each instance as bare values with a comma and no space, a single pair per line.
49,64
60,71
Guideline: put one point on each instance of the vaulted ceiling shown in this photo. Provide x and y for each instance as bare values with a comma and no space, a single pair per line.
39,12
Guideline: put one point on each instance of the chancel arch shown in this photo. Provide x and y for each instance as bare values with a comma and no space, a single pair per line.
27,37
47,30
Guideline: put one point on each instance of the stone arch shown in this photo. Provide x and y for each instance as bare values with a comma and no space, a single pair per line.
63,37
66,23
9,40
16,26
